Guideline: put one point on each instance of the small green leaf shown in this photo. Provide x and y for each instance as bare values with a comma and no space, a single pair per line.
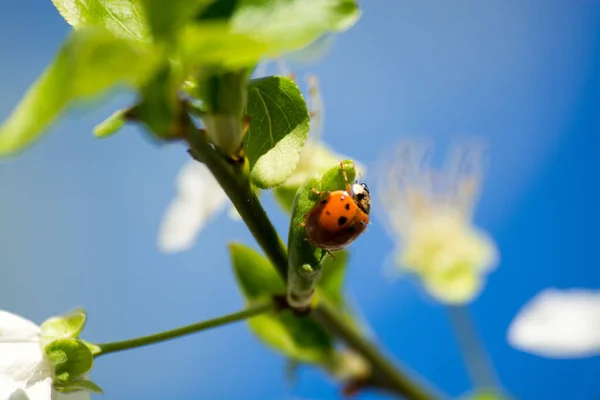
68,325
298,338
90,62
70,358
124,18
111,125
255,275
278,129
77,385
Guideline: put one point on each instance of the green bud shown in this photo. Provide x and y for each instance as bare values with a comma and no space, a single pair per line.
224,96
68,325
71,359
111,125
304,263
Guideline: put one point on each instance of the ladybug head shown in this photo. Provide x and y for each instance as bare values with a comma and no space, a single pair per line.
361,196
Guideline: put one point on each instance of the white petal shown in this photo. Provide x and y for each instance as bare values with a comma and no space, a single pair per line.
15,327
559,324
10,389
21,357
199,198
41,390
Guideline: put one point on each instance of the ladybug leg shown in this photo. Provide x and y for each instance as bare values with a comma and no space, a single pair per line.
329,253
318,192
348,187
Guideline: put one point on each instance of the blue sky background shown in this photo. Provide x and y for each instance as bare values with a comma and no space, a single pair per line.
79,216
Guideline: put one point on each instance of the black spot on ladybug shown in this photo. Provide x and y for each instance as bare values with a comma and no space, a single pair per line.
351,229
342,221
347,206
324,201
327,212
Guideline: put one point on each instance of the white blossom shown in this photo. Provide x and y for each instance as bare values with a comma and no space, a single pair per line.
25,373
199,199
428,214
559,324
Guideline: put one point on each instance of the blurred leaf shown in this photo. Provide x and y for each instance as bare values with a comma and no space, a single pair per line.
67,325
298,338
278,129
165,20
160,107
286,25
486,394
301,339
262,28
90,62
331,282
255,275
124,18
70,358
111,125
213,43
285,195
224,95
76,385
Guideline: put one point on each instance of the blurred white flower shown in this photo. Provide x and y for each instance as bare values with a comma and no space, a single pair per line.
559,324
24,371
429,214
199,199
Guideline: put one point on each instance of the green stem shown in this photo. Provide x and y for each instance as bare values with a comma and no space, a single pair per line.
249,312
236,185
244,199
477,361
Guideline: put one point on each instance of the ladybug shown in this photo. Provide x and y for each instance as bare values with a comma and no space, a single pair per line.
339,217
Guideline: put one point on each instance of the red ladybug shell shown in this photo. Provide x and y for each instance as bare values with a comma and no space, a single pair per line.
335,221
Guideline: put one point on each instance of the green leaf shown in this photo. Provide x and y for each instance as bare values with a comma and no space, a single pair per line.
299,338
76,385
68,325
255,275
124,18
112,124
70,357
165,20
278,129
287,25
160,107
331,282
224,95
261,29
89,63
